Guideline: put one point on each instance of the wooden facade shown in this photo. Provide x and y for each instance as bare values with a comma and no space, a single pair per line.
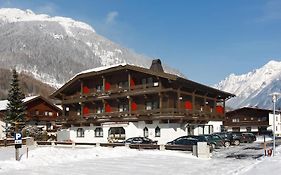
39,111
126,93
248,119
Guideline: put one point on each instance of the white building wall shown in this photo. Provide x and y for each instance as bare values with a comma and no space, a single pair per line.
244,129
277,124
168,131
216,125
2,129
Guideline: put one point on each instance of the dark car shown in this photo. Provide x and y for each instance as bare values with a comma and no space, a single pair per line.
229,138
215,140
244,137
188,141
184,140
139,140
251,137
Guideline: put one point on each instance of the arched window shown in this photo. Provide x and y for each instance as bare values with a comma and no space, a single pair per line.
157,132
145,132
80,132
98,132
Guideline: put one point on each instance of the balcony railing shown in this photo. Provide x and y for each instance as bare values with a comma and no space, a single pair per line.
196,114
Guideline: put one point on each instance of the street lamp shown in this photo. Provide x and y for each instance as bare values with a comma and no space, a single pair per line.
274,100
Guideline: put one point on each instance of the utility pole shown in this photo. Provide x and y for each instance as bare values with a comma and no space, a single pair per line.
274,100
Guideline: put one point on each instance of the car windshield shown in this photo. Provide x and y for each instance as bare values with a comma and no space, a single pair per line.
216,137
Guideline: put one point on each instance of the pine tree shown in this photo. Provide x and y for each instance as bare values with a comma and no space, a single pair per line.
15,107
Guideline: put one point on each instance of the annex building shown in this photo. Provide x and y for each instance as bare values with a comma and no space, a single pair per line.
117,102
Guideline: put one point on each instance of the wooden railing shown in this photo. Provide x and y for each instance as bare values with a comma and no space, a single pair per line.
132,146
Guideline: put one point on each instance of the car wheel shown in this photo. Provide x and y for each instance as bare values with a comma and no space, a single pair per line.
236,142
226,144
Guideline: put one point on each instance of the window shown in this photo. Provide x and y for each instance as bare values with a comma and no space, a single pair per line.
148,105
234,120
252,118
152,105
123,84
99,88
80,132
98,132
236,129
150,80
145,132
79,111
100,110
123,107
37,112
157,132
46,113
50,113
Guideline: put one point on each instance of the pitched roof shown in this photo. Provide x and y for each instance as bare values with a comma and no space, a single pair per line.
123,66
26,100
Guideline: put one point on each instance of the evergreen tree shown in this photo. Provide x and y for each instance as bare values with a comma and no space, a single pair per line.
15,107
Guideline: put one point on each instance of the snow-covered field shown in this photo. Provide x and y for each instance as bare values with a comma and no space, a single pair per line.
101,160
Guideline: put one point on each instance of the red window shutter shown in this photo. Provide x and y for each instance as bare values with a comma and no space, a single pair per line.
107,86
134,106
132,83
188,105
86,110
219,109
107,108
86,90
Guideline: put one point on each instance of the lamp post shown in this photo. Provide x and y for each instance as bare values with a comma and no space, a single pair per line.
274,100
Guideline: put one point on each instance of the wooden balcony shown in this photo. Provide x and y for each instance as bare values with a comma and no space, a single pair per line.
138,115
41,118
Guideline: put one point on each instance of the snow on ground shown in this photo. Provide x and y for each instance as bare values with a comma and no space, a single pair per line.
125,161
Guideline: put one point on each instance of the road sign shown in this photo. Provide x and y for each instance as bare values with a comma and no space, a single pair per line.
18,138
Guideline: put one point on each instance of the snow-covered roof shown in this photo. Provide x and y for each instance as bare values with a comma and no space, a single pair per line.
97,69
4,103
26,99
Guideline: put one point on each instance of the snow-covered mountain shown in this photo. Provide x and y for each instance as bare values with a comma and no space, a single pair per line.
53,49
254,88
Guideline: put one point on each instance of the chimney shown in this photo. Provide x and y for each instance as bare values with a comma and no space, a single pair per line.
156,66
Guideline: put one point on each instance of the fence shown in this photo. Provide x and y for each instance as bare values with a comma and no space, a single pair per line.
132,146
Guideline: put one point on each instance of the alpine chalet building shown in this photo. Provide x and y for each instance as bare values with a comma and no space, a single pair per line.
117,102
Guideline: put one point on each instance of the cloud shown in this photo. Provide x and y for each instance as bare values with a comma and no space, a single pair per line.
111,17
271,11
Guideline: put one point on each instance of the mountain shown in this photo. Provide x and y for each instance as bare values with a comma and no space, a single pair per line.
53,49
254,88
28,84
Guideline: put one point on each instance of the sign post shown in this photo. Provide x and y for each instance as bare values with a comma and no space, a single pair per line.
18,144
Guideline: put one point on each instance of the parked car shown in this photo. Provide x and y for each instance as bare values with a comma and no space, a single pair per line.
139,140
184,140
229,138
216,141
244,137
252,137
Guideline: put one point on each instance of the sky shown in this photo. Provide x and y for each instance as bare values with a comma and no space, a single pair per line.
205,40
